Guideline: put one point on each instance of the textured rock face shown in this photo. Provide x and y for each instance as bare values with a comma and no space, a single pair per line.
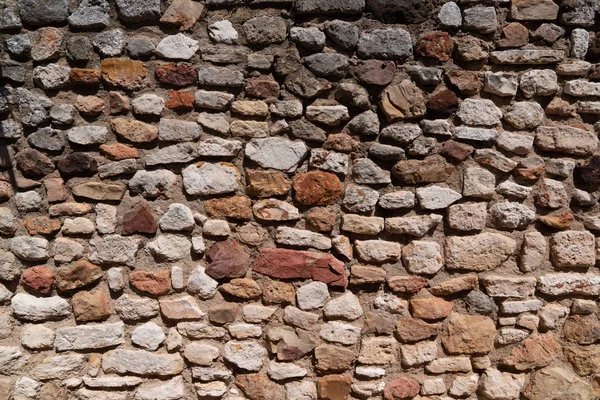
299,199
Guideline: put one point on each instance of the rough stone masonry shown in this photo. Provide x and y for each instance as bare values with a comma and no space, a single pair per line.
299,199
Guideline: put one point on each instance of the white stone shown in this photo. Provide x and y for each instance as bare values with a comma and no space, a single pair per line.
397,200
277,153
148,336
422,257
199,283
36,309
257,313
173,389
28,201
178,47
89,337
345,306
201,353
419,354
340,332
449,15
436,197
479,183
142,362
59,367
210,178
539,82
475,134
134,308
511,215
580,39
37,337
178,217
247,355
216,227
312,296
223,32
148,104
305,390
302,238
496,385
282,371
464,385
106,218
77,226
87,135
378,251
170,247
479,112
243,331
115,279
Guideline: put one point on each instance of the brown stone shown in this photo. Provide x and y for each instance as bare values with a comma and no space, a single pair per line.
468,334
64,209
6,191
330,358
82,273
404,100
411,330
376,72
378,323
442,103
237,207
432,169
341,142
585,360
34,163
84,77
152,283
296,264
334,387
139,219
556,382
321,220
242,288
361,274
119,103
52,391
90,105
402,387
536,351
118,151
259,387
435,45
582,329
317,188
42,225
430,308
124,73
77,164
88,306
262,87
179,75
406,284
455,150
222,313
133,130
277,292
467,82
469,48
534,10
180,100
558,221
182,14
100,191
252,234
561,108
261,183
39,279
227,260
46,43
515,35
455,285
55,190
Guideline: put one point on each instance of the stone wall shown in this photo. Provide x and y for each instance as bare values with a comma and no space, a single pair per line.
299,200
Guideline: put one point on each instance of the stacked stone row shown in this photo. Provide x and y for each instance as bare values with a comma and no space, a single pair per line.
299,200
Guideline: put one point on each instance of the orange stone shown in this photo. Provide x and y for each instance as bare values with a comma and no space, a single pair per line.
317,188
262,183
84,77
133,130
180,100
118,151
237,207
125,73
89,306
334,387
42,226
152,283
80,274
430,308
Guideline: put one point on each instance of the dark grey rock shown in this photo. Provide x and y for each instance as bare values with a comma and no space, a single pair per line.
44,12
479,303
48,139
386,152
110,43
304,84
19,45
140,47
220,76
91,14
579,12
404,11
9,19
78,48
386,44
263,31
343,33
62,114
429,76
330,6
13,71
305,130
366,123
6,100
331,65
138,10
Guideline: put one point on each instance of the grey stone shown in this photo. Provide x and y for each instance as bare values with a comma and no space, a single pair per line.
436,197
36,13
63,114
11,129
148,336
9,19
13,71
178,217
366,172
149,104
18,45
479,303
386,44
305,130
539,82
210,179
509,215
220,76
78,48
311,38
366,124
501,83
59,367
580,13
34,108
328,64
178,153
429,76
170,247
329,6
344,34
213,100
481,19
401,133
479,112
30,248
580,39
89,337
141,362
87,135
91,14
529,56
449,15
28,201
113,249
525,115
265,30
123,167
277,153
139,47
152,183
138,10
246,355
199,283
110,43
133,308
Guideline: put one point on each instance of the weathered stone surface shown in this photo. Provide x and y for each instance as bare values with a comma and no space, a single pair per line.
89,337
478,253
468,334
141,362
38,309
535,352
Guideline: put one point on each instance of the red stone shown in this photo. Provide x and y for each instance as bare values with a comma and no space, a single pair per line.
227,260
42,225
176,74
139,219
442,104
515,35
430,308
317,188
465,81
402,387
262,87
321,220
406,284
180,100
118,151
341,142
39,278
375,72
455,150
259,387
296,264
84,77
152,283
77,164
435,45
